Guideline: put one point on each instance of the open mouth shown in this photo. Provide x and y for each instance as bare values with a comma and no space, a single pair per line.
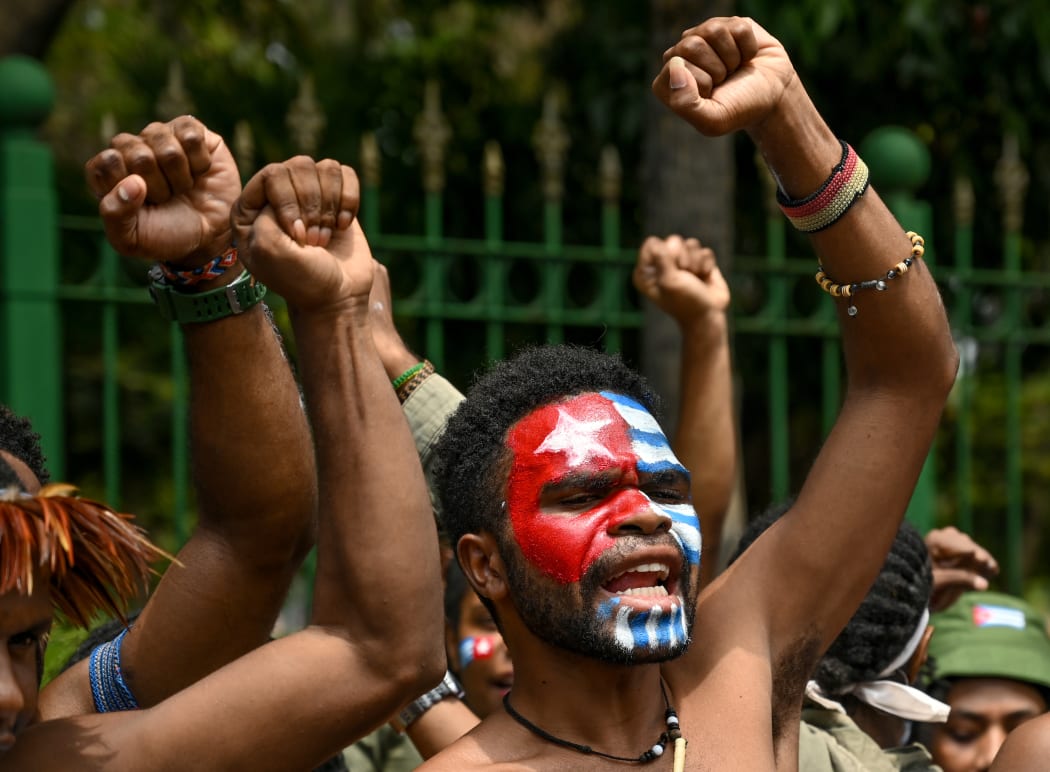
503,684
649,580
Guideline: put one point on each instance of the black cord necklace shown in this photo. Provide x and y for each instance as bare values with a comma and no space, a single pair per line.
667,737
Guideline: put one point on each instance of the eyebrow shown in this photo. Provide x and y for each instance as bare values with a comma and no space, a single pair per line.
669,476
588,481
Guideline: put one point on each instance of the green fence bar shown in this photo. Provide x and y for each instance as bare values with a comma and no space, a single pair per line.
110,377
553,278
30,338
493,269
1014,475
964,384
434,265
612,287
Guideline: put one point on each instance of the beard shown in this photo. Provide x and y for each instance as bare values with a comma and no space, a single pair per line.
575,617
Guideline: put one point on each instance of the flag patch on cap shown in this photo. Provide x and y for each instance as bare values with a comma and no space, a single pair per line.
998,616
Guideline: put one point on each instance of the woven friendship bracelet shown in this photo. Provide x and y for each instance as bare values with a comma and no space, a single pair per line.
918,249
840,191
211,270
404,391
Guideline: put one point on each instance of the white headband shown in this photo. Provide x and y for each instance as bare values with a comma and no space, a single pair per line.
891,697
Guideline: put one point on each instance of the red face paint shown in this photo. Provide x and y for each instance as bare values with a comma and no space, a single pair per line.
586,438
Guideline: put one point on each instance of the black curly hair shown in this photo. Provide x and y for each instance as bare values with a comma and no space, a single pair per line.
472,456
18,438
887,617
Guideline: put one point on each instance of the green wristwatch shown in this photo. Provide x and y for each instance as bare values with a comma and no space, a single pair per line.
185,308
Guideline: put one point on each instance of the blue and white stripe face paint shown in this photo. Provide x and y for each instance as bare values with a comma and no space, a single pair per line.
654,453
652,630
656,629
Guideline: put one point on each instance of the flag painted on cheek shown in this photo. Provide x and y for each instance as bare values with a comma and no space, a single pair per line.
655,455
476,647
589,437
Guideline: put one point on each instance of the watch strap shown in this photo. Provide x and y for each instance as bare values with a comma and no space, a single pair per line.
209,306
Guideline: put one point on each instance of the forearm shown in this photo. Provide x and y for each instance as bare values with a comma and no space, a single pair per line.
253,472
899,339
370,477
706,438
251,450
441,726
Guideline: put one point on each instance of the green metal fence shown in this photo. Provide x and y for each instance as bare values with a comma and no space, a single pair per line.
68,324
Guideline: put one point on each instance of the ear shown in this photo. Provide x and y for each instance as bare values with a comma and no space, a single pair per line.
482,565
914,665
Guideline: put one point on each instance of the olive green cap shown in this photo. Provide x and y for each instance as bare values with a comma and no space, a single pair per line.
989,634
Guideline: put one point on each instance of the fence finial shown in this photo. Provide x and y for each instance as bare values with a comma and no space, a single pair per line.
432,134
371,162
244,147
107,127
305,118
963,201
174,100
1011,177
492,169
610,174
551,142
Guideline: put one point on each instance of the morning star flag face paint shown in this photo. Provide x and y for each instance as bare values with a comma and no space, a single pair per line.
575,476
476,647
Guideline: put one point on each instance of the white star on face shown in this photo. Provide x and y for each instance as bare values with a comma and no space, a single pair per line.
576,439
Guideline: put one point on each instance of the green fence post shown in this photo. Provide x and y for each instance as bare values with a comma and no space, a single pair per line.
777,356
610,174
494,271
962,322
1011,178
432,134
550,140
30,334
900,165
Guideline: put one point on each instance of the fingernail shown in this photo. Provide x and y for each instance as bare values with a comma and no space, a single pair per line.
981,583
123,194
677,72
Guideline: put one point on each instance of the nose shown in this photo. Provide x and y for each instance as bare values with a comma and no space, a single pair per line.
12,701
991,742
635,513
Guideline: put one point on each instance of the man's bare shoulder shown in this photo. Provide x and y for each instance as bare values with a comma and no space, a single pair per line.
497,744
481,748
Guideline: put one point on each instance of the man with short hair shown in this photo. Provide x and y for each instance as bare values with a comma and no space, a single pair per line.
572,518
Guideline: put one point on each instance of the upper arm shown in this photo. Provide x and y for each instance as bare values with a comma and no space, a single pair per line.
831,545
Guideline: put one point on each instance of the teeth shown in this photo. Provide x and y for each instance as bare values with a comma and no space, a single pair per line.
649,568
646,592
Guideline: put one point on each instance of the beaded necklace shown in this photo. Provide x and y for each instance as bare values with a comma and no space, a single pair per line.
671,734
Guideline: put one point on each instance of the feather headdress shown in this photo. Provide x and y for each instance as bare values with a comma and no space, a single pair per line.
96,559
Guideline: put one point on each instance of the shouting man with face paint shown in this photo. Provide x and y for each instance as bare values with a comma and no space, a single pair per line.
575,523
